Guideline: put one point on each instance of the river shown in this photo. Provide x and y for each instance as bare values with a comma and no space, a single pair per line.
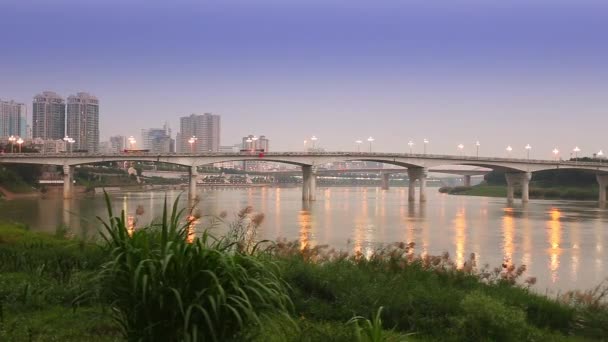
561,242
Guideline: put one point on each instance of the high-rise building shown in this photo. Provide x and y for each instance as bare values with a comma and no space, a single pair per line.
256,144
253,143
158,140
82,122
48,116
13,119
118,143
205,128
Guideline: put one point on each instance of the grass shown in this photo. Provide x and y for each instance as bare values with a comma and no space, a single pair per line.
161,283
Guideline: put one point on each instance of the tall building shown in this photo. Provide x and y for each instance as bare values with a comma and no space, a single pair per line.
48,116
255,145
251,142
158,140
82,122
13,119
118,143
206,129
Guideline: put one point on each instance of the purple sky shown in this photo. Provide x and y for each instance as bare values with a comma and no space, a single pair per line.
503,72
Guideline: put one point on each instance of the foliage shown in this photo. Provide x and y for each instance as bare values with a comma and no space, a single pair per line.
165,288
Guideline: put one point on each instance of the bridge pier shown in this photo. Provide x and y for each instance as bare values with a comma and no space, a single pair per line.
518,178
413,174
68,181
309,183
467,180
192,183
385,181
602,181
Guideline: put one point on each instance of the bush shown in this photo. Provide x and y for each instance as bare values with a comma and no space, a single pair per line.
165,288
487,319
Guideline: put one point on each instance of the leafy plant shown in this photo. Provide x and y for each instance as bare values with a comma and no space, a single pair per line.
164,288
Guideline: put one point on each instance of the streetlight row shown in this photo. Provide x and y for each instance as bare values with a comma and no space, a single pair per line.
12,139
460,147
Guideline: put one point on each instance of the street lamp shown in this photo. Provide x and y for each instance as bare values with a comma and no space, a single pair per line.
555,153
528,148
371,140
410,144
426,142
314,141
131,142
576,151
509,149
192,140
477,144
461,148
19,142
12,140
71,142
358,142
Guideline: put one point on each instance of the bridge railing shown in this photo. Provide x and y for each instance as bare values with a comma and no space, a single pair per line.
354,155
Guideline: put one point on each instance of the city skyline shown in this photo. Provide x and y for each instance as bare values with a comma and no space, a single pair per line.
502,74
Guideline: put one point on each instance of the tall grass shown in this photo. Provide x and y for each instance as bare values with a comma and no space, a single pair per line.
166,287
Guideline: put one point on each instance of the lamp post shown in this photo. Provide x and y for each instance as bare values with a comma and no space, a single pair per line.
426,142
528,148
477,144
131,142
410,144
19,142
314,141
461,148
12,140
555,153
358,142
65,144
192,140
71,143
509,149
576,151
371,140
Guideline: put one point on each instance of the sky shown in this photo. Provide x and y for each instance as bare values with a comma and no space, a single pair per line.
501,72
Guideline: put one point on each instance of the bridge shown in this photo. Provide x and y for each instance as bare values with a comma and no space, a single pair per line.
518,172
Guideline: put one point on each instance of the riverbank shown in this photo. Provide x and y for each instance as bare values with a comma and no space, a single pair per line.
50,289
562,193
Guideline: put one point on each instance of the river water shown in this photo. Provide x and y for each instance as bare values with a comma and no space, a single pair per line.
562,243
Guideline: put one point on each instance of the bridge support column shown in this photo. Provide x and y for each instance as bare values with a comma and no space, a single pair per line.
309,183
68,180
385,181
602,180
467,180
413,174
518,178
192,183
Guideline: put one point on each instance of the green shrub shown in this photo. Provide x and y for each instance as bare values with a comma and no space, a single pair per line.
485,318
164,288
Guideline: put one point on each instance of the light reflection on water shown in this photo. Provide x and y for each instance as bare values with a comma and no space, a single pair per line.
561,242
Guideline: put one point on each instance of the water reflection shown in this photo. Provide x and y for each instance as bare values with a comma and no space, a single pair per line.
460,236
508,229
558,238
305,222
554,236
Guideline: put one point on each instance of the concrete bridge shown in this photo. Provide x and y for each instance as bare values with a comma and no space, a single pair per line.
518,171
